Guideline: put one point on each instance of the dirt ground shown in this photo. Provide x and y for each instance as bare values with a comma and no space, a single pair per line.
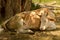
38,35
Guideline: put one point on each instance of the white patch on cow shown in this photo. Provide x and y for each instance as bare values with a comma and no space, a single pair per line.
36,16
44,27
40,13
33,13
20,22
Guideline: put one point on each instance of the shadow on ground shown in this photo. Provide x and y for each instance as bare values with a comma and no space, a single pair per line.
38,35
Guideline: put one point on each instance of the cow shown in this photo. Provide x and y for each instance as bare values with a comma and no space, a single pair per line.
24,22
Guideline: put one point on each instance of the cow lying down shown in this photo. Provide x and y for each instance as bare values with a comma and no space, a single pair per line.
42,19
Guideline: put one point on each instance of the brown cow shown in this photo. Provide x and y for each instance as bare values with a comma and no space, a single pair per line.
25,21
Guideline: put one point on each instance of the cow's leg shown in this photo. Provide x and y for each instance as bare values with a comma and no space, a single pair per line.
24,27
24,30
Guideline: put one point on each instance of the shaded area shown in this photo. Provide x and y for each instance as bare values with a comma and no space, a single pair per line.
44,35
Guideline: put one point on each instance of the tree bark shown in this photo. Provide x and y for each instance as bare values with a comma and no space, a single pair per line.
0,9
26,5
12,7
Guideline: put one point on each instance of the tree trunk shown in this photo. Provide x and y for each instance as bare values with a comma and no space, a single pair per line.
8,9
0,9
11,7
26,5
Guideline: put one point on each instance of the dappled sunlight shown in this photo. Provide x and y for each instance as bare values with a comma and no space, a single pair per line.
30,20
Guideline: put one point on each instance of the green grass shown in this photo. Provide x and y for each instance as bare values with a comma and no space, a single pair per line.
45,1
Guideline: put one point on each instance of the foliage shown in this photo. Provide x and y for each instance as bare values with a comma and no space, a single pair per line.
34,6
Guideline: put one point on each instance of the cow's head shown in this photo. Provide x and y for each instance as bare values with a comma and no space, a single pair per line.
44,20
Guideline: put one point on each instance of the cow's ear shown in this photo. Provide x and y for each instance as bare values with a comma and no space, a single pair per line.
41,12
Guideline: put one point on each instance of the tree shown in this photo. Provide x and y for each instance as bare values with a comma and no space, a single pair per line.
0,9
11,7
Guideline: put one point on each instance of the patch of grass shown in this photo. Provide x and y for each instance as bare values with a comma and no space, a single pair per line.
45,1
